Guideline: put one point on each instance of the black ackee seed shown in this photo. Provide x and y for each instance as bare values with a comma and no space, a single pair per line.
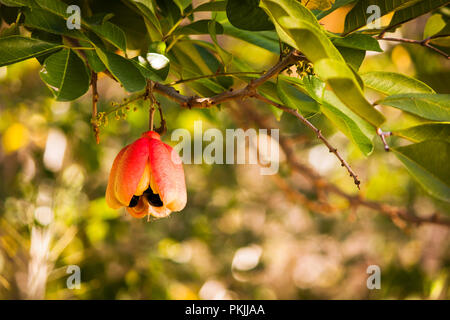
134,201
153,198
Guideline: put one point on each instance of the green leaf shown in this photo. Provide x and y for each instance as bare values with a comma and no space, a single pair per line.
428,163
315,87
426,131
357,41
225,56
358,16
182,4
169,10
16,48
344,83
293,98
298,27
426,105
438,27
412,12
186,59
109,32
49,22
247,15
95,63
212,6
356,129
434,25
154,67
18,3
391,83
353,57
54,6
152,23
269,90
66,75
123,70
264,39
199,27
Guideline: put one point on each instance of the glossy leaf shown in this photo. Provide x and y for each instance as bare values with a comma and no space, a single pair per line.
264,39
66,75
346,87
427,162
293,98
49,22
152,23
247,15
353,57
199,27
426,105
414,11
298,27
358,15
426,131
123,70
111,33
391,83
356,129
358,41
154,66
16,48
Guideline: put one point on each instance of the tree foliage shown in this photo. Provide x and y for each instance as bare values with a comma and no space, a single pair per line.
175,49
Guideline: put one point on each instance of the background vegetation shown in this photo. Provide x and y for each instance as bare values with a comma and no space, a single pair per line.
242,235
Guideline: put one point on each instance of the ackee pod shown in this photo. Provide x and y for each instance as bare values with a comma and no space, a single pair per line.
147,177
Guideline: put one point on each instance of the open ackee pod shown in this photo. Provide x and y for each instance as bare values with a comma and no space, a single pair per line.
147,178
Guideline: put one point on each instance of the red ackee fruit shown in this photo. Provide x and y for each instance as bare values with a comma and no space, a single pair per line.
147,178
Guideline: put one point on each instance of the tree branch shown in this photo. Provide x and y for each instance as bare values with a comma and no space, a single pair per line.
424,43
319,134
247,91
395,213
94,106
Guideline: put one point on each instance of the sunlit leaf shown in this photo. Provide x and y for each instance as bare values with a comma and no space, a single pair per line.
66,75
16,48
426,105
426,131
356,129
391,83
427,162
123,70
293,98
344,84
247,15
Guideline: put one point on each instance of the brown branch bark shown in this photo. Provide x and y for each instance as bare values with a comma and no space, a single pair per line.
424,43
247,91
319,134
321,184
94,107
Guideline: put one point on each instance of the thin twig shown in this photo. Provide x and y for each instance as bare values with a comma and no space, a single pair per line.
319,134
424,43
247,91
218,74
94,106
355,201
383,136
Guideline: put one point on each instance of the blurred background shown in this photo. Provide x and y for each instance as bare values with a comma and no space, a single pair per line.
241,236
